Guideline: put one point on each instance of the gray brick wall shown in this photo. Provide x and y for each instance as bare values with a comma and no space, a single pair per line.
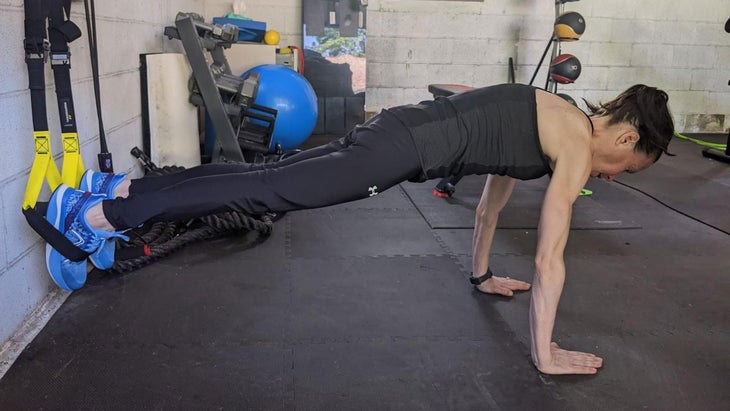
678,46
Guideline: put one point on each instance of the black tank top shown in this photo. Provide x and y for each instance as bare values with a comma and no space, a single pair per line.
490,130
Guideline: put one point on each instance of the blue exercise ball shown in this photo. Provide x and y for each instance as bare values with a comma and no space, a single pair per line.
294,99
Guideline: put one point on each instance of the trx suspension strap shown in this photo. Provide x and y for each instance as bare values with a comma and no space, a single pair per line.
62,31
36,49
44,168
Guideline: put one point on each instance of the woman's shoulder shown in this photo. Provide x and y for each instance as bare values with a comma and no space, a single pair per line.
561,125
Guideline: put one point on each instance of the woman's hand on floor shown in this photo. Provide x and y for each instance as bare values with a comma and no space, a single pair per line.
570,362
503,285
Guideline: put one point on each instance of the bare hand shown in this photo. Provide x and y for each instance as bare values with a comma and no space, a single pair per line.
503,285
570,362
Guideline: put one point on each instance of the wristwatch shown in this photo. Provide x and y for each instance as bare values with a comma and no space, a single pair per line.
478,280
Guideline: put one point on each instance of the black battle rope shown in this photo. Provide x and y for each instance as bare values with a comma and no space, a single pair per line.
177,237
153,241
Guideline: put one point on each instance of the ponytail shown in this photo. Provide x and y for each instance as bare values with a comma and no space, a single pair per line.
646,109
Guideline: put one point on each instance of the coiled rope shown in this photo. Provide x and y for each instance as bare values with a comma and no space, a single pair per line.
161,239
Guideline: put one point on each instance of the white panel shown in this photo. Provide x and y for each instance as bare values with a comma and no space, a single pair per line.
173,119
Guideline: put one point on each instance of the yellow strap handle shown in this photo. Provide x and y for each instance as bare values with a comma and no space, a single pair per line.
44,168
73,164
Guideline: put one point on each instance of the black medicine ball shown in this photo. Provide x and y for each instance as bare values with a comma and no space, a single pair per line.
569,26
565,68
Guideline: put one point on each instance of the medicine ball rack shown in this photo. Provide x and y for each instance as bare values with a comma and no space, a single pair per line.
551,84
229,100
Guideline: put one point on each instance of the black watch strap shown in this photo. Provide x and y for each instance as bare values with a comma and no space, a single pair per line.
481,279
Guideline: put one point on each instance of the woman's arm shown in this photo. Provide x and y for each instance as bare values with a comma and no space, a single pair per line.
496,192
572,169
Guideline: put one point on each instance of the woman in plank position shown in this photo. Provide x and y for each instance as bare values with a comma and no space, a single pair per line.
508,131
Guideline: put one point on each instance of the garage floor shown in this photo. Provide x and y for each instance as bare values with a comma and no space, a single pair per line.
366,306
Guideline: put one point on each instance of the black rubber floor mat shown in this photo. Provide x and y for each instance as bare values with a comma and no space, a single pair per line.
689,183
315,333
364,307
522,210
393,198
340,232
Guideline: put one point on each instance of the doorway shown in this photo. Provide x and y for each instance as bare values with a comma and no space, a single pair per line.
334,36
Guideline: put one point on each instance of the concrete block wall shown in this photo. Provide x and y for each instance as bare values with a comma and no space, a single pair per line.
680,47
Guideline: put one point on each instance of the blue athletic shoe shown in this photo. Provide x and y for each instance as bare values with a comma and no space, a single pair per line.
66,211
97,182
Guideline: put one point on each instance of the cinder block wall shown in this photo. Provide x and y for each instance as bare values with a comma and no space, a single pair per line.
679,46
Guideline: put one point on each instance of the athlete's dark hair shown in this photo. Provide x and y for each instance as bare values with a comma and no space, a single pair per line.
646,109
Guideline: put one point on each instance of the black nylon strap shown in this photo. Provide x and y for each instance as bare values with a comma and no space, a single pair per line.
60,32
37,86
35,56
70,30
35,24
35,218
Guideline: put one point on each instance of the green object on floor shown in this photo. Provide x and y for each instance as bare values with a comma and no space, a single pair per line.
716,146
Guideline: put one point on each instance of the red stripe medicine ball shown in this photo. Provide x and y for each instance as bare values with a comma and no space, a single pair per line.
565,68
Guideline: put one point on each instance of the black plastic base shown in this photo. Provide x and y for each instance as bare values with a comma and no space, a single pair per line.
717,155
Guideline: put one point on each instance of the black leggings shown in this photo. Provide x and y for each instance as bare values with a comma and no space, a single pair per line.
369,160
